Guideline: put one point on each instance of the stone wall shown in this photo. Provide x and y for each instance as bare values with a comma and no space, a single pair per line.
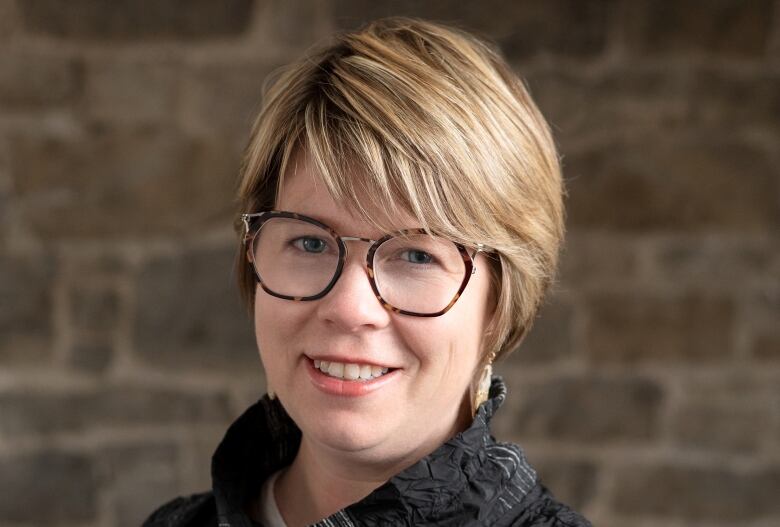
648,392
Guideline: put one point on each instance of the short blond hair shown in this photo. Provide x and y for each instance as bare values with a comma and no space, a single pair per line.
427,119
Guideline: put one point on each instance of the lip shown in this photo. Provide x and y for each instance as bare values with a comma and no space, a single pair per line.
345,388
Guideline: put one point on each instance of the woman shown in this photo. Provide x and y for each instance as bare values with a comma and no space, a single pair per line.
402,216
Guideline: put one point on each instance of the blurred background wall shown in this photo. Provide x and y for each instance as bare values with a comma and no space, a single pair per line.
648,394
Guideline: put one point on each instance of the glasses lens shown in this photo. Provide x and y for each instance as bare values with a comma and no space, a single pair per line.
419,273
294,257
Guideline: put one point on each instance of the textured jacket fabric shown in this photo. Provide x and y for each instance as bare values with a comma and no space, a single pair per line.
471,480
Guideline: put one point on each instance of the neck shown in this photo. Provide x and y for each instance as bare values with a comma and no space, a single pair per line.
317,484
321,481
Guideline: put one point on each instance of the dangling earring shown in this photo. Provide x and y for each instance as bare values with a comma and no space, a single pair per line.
483,387
271,393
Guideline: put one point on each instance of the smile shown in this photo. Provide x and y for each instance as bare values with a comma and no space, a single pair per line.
349,379
350,372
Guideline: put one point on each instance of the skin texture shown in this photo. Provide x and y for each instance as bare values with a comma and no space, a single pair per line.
352,445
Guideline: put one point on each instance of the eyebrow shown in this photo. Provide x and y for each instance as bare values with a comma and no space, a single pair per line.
333,224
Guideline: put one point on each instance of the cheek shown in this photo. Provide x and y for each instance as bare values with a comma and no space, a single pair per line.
442,342
276,323
466,335
455,337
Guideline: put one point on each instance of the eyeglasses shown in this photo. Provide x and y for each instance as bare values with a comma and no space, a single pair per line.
411,272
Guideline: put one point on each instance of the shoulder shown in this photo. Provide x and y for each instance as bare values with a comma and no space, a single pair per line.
192,511
541,509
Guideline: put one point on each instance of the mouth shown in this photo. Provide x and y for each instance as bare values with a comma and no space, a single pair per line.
351,371
349,379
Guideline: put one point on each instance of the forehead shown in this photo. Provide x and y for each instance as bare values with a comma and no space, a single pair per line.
304,191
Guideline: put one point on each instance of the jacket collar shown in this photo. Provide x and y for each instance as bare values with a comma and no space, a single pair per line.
264,439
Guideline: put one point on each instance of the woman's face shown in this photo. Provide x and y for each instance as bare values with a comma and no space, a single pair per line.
425,395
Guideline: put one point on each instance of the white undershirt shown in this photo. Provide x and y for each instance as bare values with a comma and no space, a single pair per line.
269,511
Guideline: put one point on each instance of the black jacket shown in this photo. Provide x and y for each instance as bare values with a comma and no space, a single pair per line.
470,480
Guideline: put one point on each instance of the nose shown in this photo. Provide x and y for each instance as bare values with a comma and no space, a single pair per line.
352,305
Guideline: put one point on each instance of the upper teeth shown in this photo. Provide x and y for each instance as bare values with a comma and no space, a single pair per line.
350,372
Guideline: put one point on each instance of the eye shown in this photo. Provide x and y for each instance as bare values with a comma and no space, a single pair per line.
416,256
310,244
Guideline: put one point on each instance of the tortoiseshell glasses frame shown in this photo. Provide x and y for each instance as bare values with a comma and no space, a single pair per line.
253,223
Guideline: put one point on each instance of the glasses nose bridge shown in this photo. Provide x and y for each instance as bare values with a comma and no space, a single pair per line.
364,263
345,239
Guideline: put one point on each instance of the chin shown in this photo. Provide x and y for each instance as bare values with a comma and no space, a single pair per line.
345,430
346,441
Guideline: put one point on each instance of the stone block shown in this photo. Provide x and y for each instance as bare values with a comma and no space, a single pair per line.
31,79
94,309
551,337
45,413
91,356
141,478
5,217
128,20
728,414
25,307
522,29
635,327
122,182
142,92
764,312
766,347
223,98
580,105
740,387
588,410
721,97
634,98
697,494
127,405
774,41
48,488
590,259
659,187
721,262
6,205
189,315
195,458
708,426
722,27
293,27
84,263
8,19
573,482
678,184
